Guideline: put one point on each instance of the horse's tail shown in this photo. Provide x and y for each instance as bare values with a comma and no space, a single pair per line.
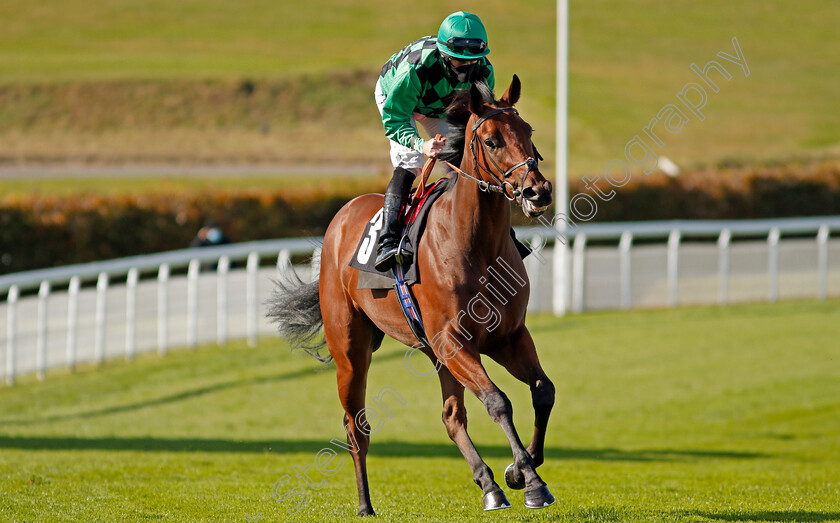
296,309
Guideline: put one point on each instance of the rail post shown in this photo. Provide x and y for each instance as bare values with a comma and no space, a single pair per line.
674,268
316,264
101,310
723,242
252,302
773,264
822,261
163,309
41,346
624,246
222,301
131,313
192,303
11,333
283,260
72,320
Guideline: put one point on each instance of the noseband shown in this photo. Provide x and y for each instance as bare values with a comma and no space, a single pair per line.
501,183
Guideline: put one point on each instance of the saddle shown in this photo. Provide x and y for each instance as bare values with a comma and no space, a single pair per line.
413,217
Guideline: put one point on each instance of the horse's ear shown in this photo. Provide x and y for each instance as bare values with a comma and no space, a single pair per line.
476,100
511,96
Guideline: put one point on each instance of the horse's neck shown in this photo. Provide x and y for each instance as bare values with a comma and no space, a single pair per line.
480,220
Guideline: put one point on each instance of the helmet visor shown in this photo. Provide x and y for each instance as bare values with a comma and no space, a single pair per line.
460,46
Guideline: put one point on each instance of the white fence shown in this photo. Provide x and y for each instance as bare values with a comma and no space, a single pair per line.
658,264
90,312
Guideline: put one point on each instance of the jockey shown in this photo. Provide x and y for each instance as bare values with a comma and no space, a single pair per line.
416,85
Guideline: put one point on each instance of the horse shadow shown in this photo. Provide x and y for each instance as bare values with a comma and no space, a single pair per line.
387,449
772,515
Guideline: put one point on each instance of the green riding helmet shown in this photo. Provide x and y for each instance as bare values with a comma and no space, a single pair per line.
462,35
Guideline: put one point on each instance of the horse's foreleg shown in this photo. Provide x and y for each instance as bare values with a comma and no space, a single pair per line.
467,369
455,420
520,359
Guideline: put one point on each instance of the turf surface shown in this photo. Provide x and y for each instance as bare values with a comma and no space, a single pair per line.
696,414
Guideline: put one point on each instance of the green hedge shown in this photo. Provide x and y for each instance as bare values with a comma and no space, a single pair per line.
728,193
45,231
40,232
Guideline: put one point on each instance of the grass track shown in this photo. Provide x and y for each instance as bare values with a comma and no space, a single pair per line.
696,414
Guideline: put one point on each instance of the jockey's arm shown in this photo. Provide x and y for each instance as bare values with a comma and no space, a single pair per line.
397,114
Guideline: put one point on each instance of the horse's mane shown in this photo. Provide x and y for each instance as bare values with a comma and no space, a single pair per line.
457,115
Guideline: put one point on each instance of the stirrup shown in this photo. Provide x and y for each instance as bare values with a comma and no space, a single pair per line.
386,260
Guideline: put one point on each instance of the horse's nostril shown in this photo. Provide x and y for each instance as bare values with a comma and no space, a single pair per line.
548,187
541,196
529,193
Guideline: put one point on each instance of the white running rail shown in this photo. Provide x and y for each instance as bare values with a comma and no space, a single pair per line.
90,312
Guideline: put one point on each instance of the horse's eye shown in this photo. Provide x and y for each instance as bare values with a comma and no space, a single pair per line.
489,143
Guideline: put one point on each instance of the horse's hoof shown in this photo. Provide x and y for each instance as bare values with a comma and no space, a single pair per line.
366,511
538,498
514,478
496,500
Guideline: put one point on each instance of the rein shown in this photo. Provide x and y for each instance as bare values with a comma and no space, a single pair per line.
501,183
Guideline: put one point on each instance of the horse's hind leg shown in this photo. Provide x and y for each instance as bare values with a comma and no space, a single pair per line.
455,420
520,359
350,337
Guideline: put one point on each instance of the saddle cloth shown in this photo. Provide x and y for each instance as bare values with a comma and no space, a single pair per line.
415,217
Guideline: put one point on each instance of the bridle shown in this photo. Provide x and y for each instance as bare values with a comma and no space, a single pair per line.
501,183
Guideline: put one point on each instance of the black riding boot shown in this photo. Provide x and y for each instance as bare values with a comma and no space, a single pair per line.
389,239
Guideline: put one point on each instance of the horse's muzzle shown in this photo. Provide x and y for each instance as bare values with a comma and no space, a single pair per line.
536,198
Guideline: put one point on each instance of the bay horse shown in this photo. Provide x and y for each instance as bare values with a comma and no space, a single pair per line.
467,232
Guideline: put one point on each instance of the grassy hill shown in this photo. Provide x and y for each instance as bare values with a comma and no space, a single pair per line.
702,414
162,81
